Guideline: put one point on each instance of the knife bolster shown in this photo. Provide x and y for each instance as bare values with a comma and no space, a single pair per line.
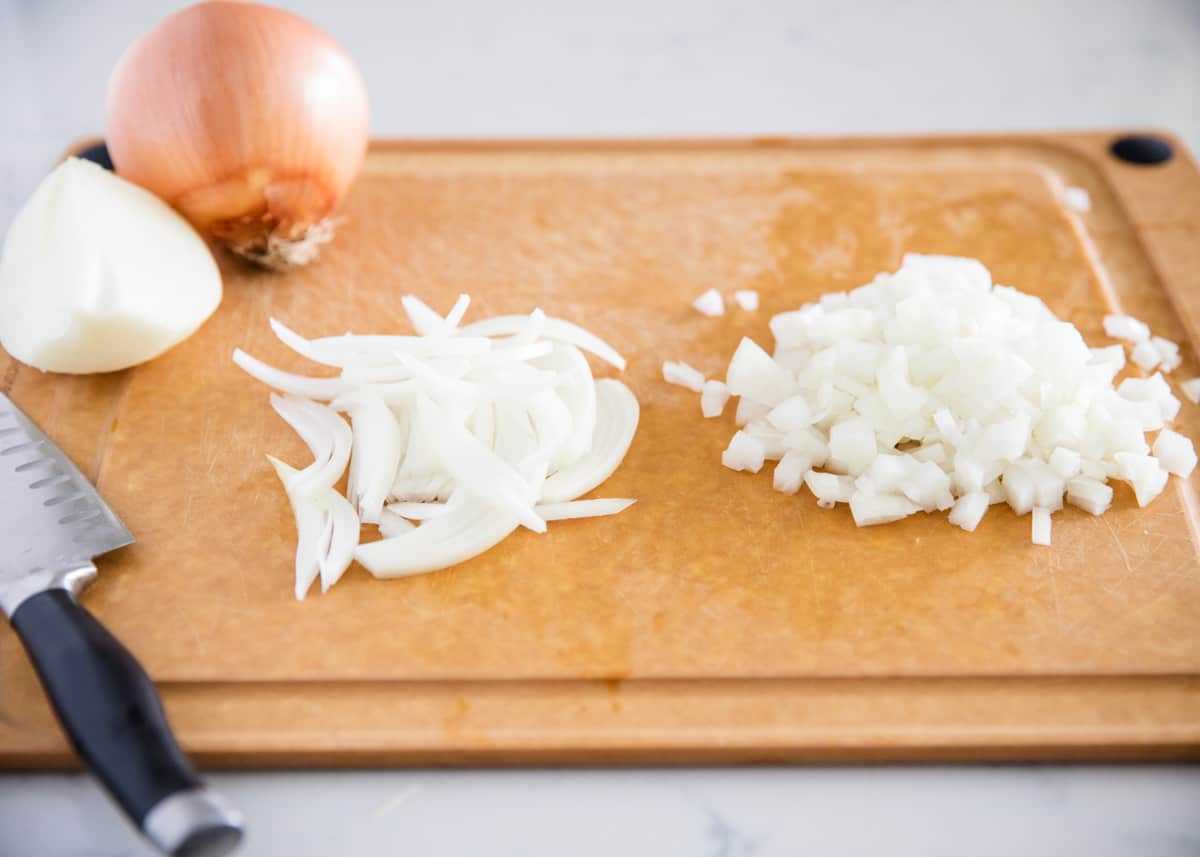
74,578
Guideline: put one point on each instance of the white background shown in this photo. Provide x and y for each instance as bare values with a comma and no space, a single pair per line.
645,67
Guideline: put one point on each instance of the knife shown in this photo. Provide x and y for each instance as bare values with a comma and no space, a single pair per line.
52,525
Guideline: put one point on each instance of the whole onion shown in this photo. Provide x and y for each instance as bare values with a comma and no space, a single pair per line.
249,120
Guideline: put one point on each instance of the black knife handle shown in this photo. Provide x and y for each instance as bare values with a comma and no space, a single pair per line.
115,720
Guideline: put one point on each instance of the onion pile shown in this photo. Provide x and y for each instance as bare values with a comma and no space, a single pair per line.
931,389
457,436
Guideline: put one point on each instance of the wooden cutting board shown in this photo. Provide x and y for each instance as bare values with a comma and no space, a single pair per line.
716,620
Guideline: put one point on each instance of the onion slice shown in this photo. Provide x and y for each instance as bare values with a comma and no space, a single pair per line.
555,328
327,436
378,446
465,531
321,389
475,468
617,414
574,509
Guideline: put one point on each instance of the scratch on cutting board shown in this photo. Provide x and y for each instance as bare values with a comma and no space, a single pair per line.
106,427
1120,547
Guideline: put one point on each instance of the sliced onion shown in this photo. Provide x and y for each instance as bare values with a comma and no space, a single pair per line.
551,421
455,316
327,436
472,436
578,393
476,469
582,509
321,389
327,531
616,423
556,329
343,539
379,442
392,525
424,320
464,532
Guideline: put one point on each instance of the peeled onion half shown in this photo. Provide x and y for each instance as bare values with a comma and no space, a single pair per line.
98,275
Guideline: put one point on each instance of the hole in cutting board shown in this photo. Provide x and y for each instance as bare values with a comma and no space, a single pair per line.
1143,151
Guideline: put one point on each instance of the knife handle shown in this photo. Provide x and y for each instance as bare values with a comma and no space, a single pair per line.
115,720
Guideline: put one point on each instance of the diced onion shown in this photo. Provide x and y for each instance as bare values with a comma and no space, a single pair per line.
747,299
710,303
931,389
1041,527
714,395
683,375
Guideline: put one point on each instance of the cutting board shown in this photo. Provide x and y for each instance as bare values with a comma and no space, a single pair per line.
716,620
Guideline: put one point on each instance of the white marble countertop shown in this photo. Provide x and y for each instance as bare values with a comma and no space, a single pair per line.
646,67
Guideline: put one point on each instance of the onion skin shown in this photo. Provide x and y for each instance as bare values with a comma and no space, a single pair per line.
247,119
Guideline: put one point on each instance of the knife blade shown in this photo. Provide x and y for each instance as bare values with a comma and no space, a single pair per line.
53,523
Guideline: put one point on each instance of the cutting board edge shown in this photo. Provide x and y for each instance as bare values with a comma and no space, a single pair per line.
655,722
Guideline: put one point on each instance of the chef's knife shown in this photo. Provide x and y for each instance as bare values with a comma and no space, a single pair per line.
52,525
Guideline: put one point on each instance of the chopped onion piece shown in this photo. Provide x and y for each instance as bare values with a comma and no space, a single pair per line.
1065,462
582,509
745,452
1146,356
713,397
1126,327
1168,353
1191,390
790,472
792,413
1041,526
749,410
871,509
754,374
1144,473
852,445
710,303
747,299
683,375
1175,453
1091,495
829,488
969,510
